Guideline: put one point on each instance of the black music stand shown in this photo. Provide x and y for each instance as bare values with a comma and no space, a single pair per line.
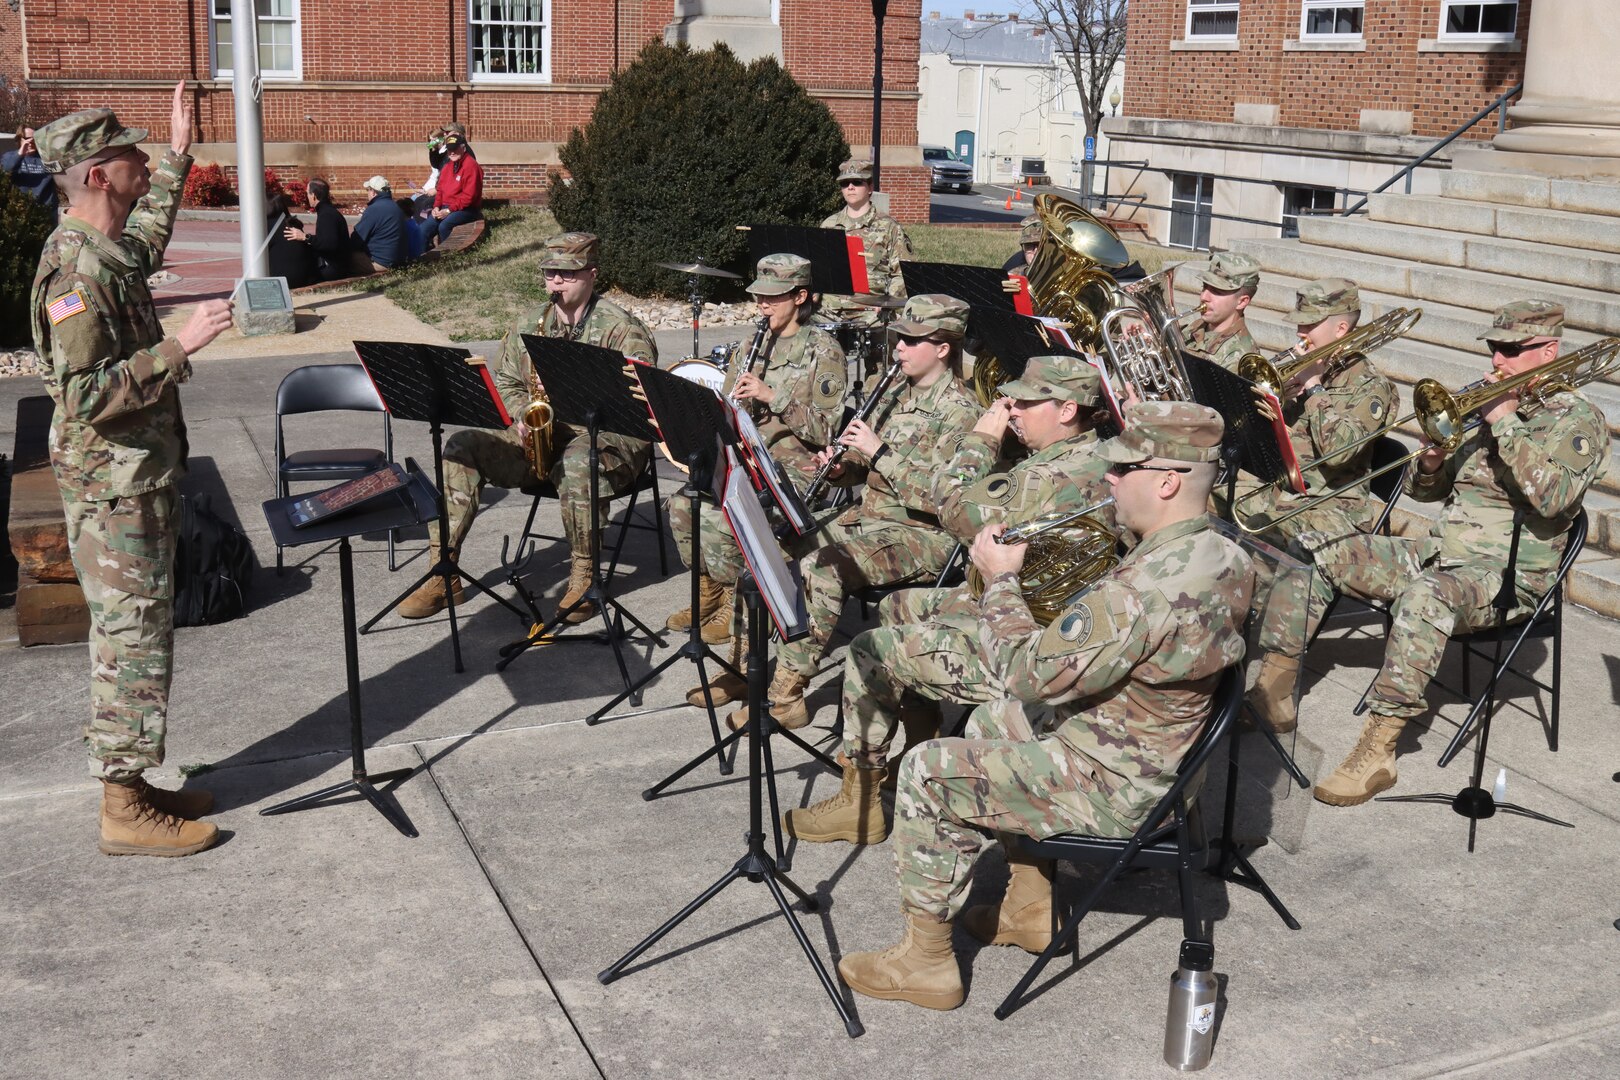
756,864
837,258
976,286
439,385
415,503
589,387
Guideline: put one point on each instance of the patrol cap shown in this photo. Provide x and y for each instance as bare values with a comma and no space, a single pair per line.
570,251
1029,230
1055,378
80,136
1178,430
780,274
932,313
378,184
1229,271
1319,299
1522,320
855,169
456,127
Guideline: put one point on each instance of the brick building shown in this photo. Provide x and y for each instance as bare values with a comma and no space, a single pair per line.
351,88
1318,100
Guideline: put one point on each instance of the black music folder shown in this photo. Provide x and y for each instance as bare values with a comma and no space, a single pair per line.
433,383
976,286
588,384
1250,438
837,258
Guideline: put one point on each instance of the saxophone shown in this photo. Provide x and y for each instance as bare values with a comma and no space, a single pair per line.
537,448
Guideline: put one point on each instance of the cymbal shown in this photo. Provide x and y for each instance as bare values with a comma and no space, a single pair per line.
874,300
699,268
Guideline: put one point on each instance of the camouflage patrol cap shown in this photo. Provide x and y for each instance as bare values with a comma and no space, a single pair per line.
932,313
855,169
1522,320
570,251
1029,230
1055,378
1178,430
80,136
1319,299
456,127
781,274
1229,271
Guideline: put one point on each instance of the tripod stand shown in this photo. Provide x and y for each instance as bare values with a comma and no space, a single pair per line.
756,864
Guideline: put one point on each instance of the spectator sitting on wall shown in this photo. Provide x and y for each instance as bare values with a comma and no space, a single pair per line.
286,257
423,201
379,235
460,195
27,171
331,240
415,231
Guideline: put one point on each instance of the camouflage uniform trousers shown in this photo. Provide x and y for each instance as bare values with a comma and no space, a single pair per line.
1291,609
1430,604
954,794
718,554
123,550
853,557
475,457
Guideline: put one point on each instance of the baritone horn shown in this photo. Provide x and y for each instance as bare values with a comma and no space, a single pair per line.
1447,418
1068,552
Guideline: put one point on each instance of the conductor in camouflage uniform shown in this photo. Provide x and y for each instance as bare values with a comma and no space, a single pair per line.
1092,714
118,446
1328,411
795,395
894,536
1522,460
885,242
896,673
1218,330
475,457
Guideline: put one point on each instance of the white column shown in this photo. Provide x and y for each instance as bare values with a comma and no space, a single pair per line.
746,26
1571,100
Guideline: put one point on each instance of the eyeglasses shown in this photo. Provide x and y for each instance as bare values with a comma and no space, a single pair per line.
852,183
1511,350
1122,468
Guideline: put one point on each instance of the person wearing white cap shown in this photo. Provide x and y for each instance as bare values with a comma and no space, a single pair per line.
379,235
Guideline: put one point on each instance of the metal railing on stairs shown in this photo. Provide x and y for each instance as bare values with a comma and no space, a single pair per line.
1499,106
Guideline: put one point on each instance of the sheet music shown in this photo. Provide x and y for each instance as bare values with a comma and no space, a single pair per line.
778,582
770,473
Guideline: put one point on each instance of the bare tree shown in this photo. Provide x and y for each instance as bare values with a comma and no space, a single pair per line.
1090,39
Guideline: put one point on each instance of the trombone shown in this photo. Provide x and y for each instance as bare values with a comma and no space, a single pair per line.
1447,418
1277,372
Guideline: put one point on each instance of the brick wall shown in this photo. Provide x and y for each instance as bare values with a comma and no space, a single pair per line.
354,90
1314,89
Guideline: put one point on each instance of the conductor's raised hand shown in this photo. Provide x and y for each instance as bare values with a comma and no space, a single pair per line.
180,120
993,557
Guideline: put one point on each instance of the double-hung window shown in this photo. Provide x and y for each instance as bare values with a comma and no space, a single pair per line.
1496,20
509,40
279,53
1331,20
1212,19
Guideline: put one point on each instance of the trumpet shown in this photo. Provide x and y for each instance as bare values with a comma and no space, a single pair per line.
818,482
1447,418
1278,371
1069,551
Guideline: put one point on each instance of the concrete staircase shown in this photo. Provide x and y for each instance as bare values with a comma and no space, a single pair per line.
1486,239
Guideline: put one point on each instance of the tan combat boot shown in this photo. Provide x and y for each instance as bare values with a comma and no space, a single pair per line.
717,624
130,825
786,697
429,599
1369,769
921,969
579,580
854,813
190,805
725,687
709,592
1024,916
1273,695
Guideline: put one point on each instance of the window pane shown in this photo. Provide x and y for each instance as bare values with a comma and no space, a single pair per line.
222,54
1498,18
1319,21
1215,23
1462,19
1349,21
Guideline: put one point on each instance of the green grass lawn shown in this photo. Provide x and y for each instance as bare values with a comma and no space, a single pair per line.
477,294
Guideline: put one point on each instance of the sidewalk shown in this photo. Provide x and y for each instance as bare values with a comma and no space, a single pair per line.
324,943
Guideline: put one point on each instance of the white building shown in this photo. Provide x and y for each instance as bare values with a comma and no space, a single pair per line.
995,90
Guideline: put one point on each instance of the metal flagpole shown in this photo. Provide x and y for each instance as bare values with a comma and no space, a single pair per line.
245,89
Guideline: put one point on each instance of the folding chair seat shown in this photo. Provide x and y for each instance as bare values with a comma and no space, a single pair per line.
327,388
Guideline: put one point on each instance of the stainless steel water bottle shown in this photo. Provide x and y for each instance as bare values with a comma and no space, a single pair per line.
1189,1023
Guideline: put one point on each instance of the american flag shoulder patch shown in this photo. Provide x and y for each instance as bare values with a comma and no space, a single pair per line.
66,306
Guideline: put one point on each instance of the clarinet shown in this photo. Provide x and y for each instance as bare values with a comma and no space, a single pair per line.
762,327
819,481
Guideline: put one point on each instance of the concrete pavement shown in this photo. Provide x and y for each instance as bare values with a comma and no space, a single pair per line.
323,942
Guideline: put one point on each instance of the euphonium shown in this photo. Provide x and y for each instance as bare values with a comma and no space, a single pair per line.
1142,357
1277,372
537,416
1068,552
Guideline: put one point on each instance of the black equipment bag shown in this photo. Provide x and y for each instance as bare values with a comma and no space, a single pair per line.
213,566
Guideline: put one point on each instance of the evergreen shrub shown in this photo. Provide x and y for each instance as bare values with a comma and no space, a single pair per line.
24,225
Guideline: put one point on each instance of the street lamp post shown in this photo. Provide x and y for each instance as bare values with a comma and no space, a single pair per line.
880,11
1113,102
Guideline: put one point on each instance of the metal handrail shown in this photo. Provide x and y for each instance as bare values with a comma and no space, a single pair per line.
1498,106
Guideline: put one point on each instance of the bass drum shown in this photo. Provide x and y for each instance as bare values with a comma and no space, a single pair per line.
701,372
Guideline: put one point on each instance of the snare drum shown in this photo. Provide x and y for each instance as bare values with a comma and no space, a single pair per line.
701,372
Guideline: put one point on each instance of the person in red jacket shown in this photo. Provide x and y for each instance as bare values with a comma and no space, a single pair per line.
459,197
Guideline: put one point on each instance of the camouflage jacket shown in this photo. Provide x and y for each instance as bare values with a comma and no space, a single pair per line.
1224,349
1541,464
886,244
117,429
1129,668
923,429
605,324
1067,475
811,379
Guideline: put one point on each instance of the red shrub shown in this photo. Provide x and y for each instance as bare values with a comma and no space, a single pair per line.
206,185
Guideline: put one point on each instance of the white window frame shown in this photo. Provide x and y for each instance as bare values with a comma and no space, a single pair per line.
1209,7
1447,5
541,76
1305,15
216,24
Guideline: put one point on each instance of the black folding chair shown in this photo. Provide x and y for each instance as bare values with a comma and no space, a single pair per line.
1387,487
646,482
1171,836
326,388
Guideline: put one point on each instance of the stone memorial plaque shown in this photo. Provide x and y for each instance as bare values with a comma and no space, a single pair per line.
264,306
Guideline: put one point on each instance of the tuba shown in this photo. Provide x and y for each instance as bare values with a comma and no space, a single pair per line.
1068,552
1069,277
